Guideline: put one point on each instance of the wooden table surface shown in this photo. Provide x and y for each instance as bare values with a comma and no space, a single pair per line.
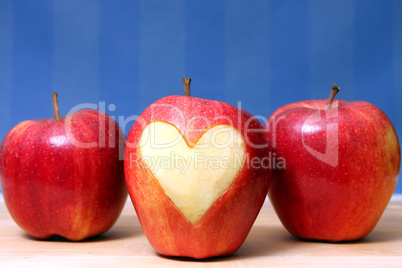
268,244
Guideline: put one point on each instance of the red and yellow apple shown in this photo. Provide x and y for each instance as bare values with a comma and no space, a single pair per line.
342,165
63,176
195,175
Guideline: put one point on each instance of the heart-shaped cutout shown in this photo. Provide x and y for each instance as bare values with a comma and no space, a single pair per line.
193,176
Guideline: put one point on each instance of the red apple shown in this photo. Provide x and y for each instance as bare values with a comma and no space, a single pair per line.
196,175
342,165
63,176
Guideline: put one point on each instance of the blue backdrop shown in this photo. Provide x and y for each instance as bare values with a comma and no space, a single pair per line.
262,53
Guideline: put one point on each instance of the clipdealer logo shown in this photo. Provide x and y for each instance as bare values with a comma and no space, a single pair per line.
330,156
309,126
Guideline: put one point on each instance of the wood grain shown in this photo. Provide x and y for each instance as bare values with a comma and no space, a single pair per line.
268,244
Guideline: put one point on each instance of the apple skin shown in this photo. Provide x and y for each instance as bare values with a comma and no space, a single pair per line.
51,186
225,226
342,201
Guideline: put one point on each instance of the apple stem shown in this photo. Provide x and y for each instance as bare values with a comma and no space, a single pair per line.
334,91
55,106
186,83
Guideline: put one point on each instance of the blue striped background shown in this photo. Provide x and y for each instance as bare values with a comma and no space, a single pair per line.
262,53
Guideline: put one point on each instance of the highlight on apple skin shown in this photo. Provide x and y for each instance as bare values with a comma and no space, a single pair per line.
192,174
342,165
63,176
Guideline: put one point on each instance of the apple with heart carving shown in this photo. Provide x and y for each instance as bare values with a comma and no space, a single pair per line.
342,165
196,175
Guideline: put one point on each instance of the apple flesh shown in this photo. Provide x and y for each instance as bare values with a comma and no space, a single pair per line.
193,197
342,166
64,177
207,210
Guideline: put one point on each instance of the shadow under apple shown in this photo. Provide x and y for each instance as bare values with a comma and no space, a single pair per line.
125,227
261,241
